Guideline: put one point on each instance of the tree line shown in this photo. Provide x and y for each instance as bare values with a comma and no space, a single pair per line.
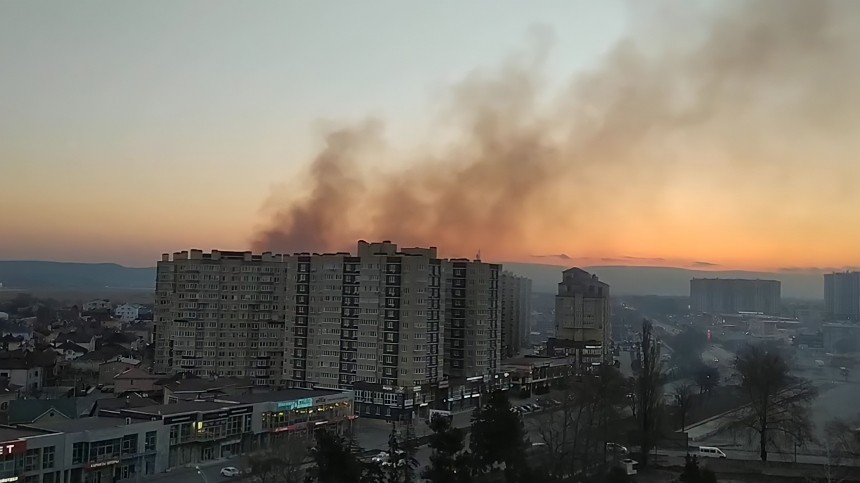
580,436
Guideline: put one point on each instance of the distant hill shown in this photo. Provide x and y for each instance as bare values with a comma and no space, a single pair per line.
39,275
623,280
665,280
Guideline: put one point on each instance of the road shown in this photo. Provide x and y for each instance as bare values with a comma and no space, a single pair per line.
211,473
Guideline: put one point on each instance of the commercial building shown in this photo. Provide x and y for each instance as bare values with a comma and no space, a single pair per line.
134,442
842,295
536,374
472,319
516,312
582,323
731,296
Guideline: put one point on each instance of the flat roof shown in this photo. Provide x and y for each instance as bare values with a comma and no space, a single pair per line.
285,395
180,407
11,434
80,424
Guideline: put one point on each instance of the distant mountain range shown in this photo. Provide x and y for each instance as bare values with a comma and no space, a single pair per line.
623,280
32,275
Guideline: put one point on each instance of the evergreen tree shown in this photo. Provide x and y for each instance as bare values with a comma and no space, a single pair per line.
448,462
693,474
334,461
498,438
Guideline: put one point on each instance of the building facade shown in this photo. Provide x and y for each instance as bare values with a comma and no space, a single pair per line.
582,323
842,295
730,296
375,317
515,312
134,443
303,320
472,318
221,314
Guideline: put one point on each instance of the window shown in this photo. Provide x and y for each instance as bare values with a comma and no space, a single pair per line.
150,441
48,457
31,460
129,444
78,450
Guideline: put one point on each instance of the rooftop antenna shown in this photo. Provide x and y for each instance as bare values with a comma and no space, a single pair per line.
478,255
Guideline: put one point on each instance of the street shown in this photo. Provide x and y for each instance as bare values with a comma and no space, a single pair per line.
209,473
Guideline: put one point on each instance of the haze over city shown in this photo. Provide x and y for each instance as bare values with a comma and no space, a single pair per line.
691,134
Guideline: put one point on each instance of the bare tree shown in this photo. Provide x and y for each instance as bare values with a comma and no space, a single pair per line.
844,437
578,432
682,397
777,409
649,391
280,464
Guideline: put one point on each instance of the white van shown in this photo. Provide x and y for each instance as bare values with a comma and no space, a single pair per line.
711,452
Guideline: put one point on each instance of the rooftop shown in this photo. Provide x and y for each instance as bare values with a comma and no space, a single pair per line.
81,424
197,385
11,434
285,395
181,407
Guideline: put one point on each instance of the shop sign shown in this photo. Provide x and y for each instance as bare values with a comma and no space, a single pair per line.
13,447
297,404
102,464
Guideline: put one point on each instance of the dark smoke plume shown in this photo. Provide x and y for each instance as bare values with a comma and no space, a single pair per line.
746,114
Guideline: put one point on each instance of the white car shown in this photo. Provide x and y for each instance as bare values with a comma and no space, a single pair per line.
230,471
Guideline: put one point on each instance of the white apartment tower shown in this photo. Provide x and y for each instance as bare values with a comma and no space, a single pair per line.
582,318
472,318
374,317
221,314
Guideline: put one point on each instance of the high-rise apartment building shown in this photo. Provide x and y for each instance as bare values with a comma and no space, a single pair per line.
842,295
730,296
375,317
221,313
582,318
516,312
303,320
472,318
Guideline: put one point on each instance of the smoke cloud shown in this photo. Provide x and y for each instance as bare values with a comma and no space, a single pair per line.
744,116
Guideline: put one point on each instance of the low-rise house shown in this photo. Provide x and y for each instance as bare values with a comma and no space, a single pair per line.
135,379
29,369
112,368
11,342
70,351
120,338
33,410
91,361
83,339
8,392
127,312
97,305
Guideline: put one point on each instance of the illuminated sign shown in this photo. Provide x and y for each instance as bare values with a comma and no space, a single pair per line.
9,479
13,447
102,464
297,404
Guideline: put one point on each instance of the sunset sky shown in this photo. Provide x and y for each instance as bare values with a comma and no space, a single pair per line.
617,136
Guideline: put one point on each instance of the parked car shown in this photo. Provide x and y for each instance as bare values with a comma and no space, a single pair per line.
230,471
535,407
